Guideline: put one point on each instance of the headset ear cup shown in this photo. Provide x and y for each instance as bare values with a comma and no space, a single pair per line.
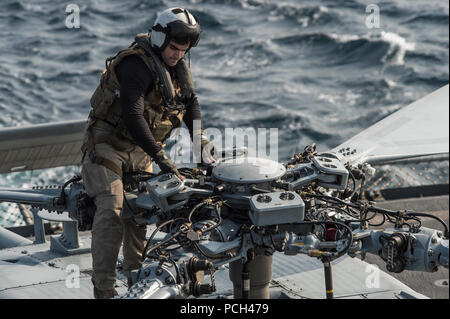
157,39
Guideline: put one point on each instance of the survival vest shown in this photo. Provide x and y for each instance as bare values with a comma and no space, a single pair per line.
163,107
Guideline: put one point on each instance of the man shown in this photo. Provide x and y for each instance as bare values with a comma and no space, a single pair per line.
145,92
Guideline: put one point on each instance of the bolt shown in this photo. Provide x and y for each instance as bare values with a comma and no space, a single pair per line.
159,271
439,234
434,240
430,252
169,280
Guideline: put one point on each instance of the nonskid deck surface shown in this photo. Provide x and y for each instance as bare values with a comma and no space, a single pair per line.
34,272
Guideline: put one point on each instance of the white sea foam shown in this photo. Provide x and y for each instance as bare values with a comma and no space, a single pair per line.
398,46
326,97
351,97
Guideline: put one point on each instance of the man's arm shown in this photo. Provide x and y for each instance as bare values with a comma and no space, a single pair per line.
207,149
192,114
135,81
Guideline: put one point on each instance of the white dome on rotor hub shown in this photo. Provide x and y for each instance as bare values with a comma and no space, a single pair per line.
248,170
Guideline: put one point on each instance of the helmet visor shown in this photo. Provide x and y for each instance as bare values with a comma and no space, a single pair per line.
182,33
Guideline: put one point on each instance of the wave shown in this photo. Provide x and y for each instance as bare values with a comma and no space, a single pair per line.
207,19
427,57
386,47
311,69
243,57
427,19
433,81
304,15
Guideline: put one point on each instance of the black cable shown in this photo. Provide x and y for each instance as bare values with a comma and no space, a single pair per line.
419,221
144,254
161,243
384,220
177,270
175,248
202,203
409,226
218,214
203,253
361,192
187,172
352,214
389,219
356,220
354,184
331,199
62,198
430,216
386,212
173,221
349,230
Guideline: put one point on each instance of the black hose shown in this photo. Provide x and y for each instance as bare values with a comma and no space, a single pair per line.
356,220
430,216
219,218
203,253
161,243
144,254
194,209
176,269
384,220
379,210
349,230
62,198
354,185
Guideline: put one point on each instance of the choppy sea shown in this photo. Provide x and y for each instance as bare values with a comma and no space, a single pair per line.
319,71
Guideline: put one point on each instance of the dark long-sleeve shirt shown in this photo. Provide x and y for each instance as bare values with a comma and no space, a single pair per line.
136,81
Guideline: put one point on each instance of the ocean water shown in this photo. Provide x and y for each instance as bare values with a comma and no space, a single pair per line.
312,69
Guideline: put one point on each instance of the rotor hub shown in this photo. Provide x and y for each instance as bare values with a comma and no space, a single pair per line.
248,170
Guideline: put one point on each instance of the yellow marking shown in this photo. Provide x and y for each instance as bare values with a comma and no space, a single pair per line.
330,291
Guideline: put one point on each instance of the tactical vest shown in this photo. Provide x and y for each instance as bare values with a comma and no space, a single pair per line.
163,107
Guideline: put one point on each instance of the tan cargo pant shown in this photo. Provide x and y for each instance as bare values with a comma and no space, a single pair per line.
112,224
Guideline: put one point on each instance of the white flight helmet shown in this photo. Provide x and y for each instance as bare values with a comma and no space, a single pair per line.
175,24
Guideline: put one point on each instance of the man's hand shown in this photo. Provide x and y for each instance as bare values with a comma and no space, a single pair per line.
166,165
207,151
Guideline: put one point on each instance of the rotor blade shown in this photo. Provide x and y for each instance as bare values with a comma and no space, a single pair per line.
42,198
41,146
419,129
